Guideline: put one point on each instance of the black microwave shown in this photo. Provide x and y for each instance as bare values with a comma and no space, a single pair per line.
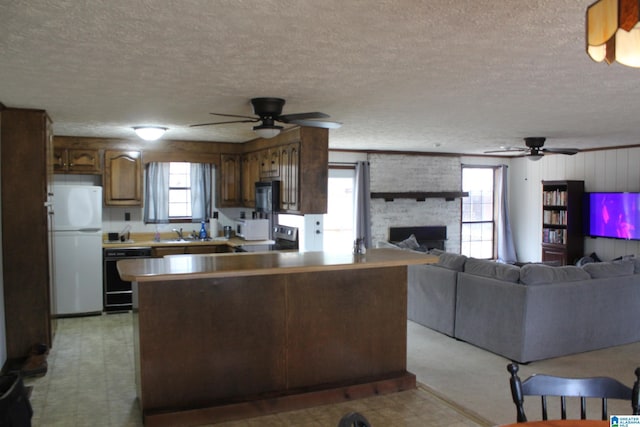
268,196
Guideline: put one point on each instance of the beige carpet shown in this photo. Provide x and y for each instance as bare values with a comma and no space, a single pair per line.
478,380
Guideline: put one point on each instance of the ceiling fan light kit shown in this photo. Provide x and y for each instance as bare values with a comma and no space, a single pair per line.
149,133
266,132
269,111
613,33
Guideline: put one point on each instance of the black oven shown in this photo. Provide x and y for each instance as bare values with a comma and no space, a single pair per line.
117,292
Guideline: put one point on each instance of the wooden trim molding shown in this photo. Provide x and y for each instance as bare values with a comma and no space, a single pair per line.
420,196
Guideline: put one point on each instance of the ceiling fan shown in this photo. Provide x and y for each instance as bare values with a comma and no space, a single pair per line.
269,111
534,149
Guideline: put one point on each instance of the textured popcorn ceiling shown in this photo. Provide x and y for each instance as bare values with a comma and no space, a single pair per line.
437,75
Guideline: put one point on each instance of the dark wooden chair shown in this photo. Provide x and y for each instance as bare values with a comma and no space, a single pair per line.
354,419
595,387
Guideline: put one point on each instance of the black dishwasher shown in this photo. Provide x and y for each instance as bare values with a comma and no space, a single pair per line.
117,292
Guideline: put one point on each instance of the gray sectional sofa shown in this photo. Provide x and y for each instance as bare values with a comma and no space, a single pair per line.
531,312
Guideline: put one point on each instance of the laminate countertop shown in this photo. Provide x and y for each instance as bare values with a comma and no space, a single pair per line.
179,267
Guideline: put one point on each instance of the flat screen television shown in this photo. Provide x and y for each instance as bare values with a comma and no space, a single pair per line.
613,215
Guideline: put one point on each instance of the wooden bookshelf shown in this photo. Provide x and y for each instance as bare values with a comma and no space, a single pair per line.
562,231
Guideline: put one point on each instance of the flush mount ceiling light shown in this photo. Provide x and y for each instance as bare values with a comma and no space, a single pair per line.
149,133
267,131
613,33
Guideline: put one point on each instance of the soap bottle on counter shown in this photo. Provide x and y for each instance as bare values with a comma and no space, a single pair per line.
203,232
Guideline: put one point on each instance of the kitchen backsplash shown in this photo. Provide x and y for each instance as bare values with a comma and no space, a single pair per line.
113,217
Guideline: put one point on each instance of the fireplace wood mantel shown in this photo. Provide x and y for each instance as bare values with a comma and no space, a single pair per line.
420,196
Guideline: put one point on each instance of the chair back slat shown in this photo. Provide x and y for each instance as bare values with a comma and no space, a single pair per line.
544,407
603,388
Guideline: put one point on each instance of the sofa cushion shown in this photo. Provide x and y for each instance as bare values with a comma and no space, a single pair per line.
452,261
480,267
598,270
409,243
387,245
507,272
539,274
492,269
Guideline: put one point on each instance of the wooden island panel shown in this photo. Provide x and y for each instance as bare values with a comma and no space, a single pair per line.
209,340
344,327
212,347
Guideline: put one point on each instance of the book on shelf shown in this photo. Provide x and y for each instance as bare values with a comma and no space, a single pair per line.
555,197
555,217
550,235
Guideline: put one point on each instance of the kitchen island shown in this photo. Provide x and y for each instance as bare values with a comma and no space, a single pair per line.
227,336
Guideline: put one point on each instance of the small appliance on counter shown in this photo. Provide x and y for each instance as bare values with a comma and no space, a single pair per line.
286,239
252,229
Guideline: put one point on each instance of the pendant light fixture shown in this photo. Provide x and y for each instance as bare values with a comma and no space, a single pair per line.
149,133
613,33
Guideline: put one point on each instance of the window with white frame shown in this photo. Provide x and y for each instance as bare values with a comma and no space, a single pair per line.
478,213
179,190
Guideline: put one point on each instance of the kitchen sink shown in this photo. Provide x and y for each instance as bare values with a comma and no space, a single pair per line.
176,240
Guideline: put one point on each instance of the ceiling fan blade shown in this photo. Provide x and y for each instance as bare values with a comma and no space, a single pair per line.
316,124
290,118
507,150
234,115
224,123
567,151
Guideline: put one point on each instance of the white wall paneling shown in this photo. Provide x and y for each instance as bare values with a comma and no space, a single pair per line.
605,170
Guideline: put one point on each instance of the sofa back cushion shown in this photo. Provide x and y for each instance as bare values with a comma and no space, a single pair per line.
492,269
540,274
452,261
598,270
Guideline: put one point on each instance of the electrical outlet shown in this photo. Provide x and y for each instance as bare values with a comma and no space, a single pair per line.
127,216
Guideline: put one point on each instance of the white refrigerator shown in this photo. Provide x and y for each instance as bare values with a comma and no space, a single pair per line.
77,239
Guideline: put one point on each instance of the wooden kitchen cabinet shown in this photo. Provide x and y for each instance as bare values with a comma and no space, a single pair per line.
26,160
289,167
122,178
76,161
304,163
160,251
250,175
230,185
207,249
270,163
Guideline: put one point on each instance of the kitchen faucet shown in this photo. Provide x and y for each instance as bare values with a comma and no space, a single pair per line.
179,233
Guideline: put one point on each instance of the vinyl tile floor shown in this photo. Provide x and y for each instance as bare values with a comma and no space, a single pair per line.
90,382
